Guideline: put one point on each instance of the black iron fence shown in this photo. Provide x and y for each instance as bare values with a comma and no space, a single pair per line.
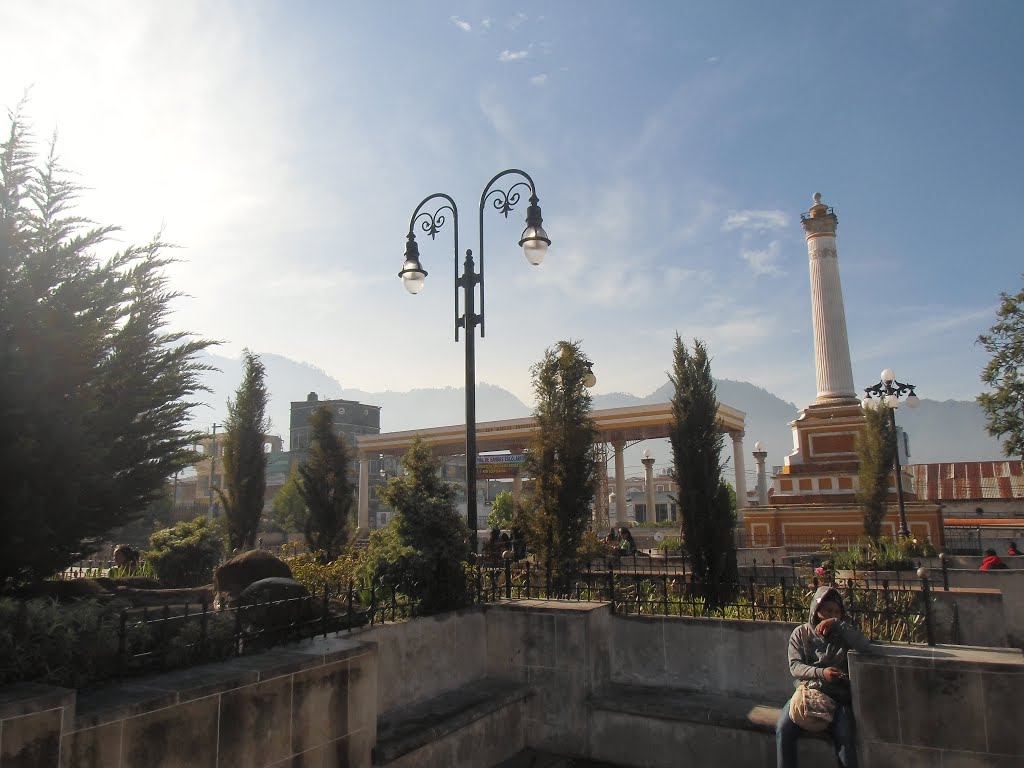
154,639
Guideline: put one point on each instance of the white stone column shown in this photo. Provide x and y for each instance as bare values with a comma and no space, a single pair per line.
363,514
741,473
762,475
620,483
831,346
648,462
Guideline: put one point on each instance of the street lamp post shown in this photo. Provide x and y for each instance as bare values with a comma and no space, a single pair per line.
889,391
534,242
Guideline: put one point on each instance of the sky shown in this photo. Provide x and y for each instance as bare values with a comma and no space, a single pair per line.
283,146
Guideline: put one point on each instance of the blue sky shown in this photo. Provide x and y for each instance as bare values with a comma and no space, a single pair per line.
283,147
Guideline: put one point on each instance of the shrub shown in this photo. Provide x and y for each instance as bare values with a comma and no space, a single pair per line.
885,554
671,544
66,645
186,554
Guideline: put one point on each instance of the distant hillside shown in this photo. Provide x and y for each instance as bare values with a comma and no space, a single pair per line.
939,431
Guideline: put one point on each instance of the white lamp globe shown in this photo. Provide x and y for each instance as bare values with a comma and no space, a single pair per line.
413,277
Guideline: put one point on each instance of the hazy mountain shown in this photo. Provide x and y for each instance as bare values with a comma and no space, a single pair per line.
939,431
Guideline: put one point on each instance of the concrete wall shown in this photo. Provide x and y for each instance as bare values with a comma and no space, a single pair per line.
309,705
562,651
1010,585
317,704
427,656
744,658
942,706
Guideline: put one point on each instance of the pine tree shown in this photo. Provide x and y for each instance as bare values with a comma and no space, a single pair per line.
94,390
326,488
1004,407
708,518
875,453
427,542
289,510
245,465
562,461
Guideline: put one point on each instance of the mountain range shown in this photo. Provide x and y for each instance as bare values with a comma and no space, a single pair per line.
950,430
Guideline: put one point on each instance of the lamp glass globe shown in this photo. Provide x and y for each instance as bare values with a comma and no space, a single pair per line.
535,246
413,277
888,376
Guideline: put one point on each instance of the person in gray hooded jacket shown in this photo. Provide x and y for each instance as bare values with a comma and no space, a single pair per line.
817,655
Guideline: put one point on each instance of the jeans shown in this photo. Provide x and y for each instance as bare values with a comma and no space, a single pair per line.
843,731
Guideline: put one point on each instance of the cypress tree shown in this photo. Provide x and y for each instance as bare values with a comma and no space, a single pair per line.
708,519
875,447
245,465
562,461
326,487
94,390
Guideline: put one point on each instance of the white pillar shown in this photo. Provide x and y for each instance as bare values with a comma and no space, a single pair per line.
363,514
620,483
741,473
648,462
762,476
831,345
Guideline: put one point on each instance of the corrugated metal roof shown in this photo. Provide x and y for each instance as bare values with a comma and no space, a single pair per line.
967,480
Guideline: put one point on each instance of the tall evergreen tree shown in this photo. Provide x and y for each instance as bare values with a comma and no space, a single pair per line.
94,390
562,460
245,465
1004,406
875,453
289,510
707,513
325,487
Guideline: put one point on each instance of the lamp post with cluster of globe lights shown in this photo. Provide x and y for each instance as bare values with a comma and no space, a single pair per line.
889,391
430,216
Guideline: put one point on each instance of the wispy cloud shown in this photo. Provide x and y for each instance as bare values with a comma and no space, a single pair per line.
518,20
765,261
486,23
462,24
507,56
711,59
755,220
539,79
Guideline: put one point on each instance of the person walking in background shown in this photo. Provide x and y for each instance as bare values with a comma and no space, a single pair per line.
992,562
1012,549
818,656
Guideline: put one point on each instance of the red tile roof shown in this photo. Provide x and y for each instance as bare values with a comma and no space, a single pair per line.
968,480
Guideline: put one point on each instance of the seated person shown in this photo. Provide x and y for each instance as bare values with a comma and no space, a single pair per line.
992,562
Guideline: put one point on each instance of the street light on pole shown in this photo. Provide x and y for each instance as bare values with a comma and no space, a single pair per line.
534,242
889,391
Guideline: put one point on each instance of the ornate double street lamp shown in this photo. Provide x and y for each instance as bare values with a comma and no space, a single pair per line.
889,391
430,216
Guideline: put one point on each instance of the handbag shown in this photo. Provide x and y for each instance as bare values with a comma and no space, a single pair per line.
811,709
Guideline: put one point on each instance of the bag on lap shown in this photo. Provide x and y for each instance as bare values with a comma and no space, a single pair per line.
811,709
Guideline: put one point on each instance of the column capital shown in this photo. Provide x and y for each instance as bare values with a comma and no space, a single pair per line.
737,435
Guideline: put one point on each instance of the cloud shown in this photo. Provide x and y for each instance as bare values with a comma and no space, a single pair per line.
485,23
507,56
764,262
712,59
756,220
462,24
517,21
538,79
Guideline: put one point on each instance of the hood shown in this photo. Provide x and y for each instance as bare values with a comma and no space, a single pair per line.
819,595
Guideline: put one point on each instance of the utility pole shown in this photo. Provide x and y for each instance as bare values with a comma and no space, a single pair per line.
213,471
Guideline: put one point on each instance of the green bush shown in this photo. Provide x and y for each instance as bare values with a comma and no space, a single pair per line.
186,554
884,554
66,645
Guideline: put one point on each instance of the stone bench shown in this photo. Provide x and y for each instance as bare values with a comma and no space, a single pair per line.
666,723
485,715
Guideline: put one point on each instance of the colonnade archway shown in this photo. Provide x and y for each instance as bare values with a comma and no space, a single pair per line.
616,427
